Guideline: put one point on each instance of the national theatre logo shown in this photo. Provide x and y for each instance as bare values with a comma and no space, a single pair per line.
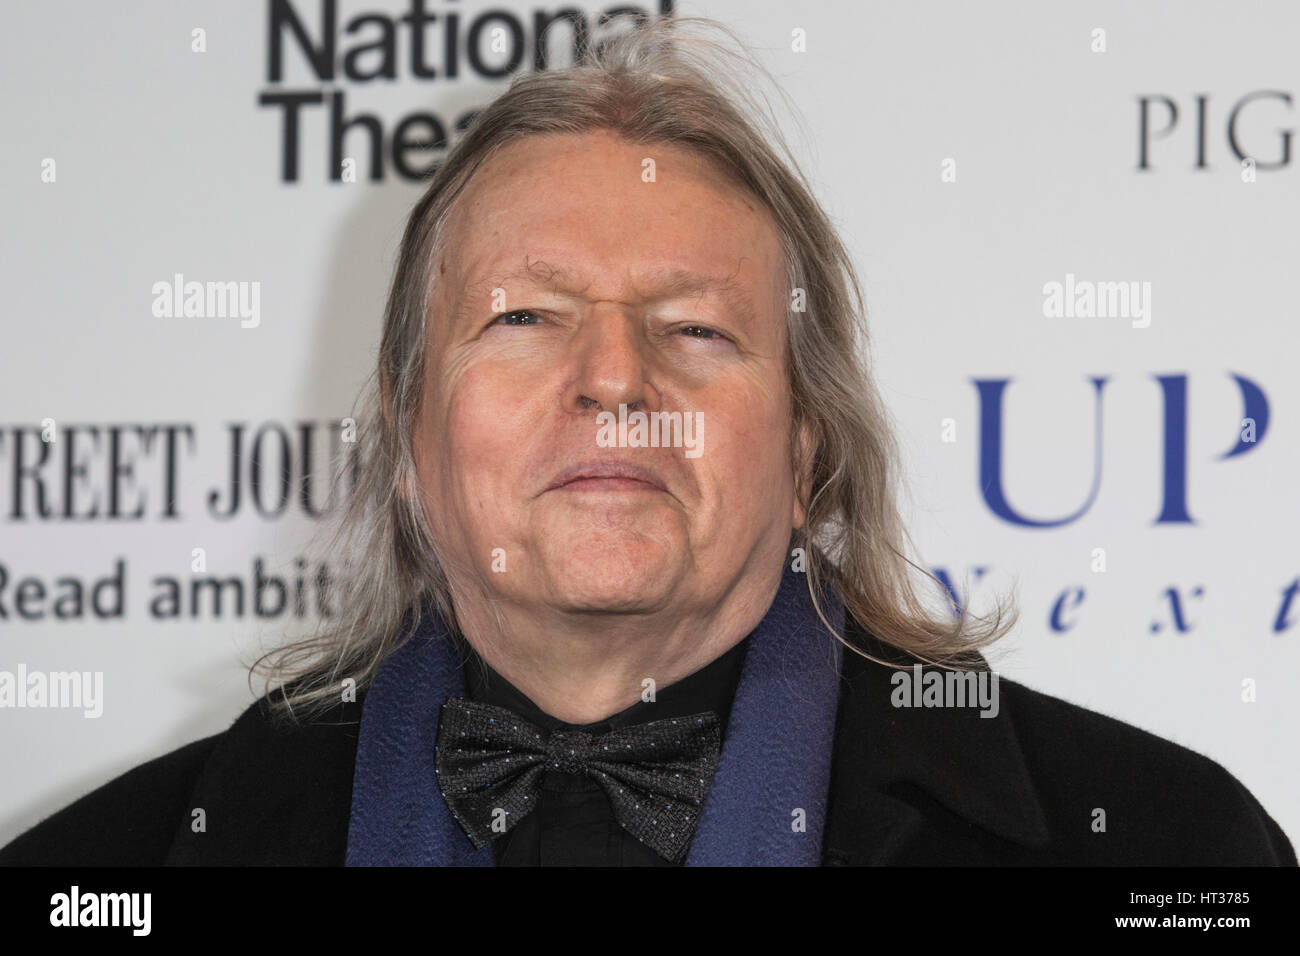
446,44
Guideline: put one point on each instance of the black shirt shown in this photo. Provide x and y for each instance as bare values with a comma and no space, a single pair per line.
573,823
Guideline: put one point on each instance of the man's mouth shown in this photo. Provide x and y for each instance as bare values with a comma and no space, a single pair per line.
607,476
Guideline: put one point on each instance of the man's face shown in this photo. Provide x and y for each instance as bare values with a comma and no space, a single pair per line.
571,286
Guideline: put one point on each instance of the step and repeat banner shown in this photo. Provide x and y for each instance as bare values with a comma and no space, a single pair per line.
1075,225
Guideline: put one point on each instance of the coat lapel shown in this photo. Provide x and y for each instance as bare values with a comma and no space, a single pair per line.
273,793
767,802
924,785
929,786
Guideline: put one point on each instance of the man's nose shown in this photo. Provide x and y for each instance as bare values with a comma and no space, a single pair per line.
613,362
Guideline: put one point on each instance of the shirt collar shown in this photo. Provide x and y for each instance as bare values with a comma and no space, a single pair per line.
711,688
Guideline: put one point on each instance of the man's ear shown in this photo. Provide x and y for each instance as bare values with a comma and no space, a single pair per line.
803,463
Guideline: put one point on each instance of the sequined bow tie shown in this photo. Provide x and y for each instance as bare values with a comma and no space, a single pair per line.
490,762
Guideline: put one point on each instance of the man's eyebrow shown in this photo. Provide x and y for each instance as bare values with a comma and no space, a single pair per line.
536,272
675,282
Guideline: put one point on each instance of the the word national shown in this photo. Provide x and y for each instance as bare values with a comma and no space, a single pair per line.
651,430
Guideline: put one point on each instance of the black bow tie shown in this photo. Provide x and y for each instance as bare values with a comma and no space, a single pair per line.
490,762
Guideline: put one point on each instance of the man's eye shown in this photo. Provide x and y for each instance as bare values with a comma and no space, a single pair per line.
518,317
701,332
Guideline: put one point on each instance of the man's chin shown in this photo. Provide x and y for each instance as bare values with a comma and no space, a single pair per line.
612,581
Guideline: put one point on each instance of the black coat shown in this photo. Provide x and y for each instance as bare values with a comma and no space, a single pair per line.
909,786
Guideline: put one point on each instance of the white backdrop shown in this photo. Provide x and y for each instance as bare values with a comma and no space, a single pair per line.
973,154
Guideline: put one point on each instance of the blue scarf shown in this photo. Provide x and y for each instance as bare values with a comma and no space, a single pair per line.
767,803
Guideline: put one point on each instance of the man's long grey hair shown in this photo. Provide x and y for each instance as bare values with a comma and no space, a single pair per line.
690,83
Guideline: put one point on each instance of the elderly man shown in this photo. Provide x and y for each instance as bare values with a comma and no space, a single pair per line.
631,587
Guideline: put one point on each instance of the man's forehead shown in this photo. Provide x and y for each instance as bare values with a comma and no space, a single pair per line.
697,233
